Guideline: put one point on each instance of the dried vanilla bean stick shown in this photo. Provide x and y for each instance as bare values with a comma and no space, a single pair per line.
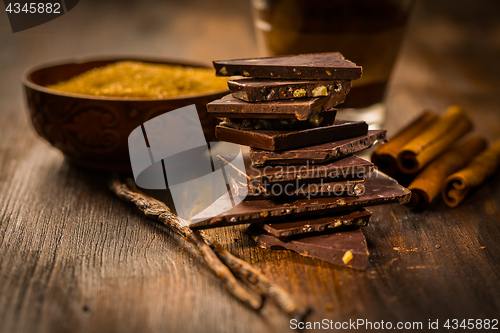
248,273
158,210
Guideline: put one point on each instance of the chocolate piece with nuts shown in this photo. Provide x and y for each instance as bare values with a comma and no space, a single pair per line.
347,248
351,167
277,140
304,189
321,119
313,66
321,153
299,108
261,90
380,189
321,223
343,177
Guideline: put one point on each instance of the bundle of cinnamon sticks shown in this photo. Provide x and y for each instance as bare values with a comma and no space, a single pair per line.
427,152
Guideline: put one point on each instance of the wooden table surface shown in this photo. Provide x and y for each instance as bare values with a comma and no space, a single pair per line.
73,257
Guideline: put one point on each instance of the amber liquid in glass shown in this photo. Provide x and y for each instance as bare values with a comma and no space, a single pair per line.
366,32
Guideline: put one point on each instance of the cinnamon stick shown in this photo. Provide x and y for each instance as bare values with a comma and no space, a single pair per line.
427,185
433,141
384,157
457,185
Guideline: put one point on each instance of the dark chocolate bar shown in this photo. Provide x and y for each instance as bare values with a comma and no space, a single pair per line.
313,66
346,248
340,178
321,153
321,119
359,218
260,90
299,108
351,167
300,189
379,189
275,140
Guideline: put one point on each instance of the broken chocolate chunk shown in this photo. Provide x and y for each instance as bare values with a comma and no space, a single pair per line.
299,108
261,90
317,224
379,189
321,153
346,248
313,66
275,140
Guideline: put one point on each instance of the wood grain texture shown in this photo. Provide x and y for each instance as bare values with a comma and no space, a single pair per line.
74,258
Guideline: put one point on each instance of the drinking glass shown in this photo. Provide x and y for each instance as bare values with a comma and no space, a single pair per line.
366,32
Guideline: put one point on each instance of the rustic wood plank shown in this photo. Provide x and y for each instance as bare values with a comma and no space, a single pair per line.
75,258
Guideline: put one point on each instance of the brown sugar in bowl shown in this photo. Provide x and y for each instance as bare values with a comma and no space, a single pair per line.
92,131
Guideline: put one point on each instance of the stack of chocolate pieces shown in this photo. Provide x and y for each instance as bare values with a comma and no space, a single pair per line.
305,190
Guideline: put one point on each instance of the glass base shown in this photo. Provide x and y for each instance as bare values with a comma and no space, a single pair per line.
374,115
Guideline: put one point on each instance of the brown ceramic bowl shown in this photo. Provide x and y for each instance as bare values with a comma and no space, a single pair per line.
92,131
